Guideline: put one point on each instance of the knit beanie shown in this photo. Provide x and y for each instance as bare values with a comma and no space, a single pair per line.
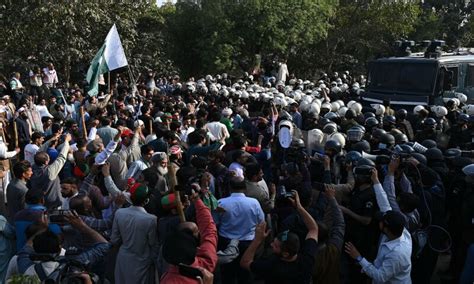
169,201
81,170
138,193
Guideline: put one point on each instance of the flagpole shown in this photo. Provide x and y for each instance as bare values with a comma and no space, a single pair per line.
134,84
108,83
83,120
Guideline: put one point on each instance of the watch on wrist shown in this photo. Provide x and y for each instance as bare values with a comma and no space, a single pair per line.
359,258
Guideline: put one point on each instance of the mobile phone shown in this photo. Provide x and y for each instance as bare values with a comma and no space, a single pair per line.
289,195
189,271
59,216
318,156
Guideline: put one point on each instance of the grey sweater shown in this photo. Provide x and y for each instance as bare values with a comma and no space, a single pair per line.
46,178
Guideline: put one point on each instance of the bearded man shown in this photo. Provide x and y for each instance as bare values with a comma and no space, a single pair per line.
157,179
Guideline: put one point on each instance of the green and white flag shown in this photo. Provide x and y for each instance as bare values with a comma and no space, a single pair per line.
110,57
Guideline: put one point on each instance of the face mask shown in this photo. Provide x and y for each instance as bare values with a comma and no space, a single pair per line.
382,146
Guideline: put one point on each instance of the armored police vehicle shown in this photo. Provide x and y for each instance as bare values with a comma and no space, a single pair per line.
426,78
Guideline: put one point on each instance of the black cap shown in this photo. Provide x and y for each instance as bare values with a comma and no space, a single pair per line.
179,247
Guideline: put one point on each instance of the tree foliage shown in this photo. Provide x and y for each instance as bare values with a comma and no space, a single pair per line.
70,33
218,35
449,21
209,36
362,31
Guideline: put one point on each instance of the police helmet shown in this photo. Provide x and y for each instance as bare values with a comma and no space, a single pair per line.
355,133
428,143
401,138
365,162
297,143
350,114
361,146
371,122
401,114
387,139
434,154
330,128
420,158
406,149
452,153
395,131
377,134
429,122
463,117
389,120
353,157
333,145
339,138
323,121
368,114
331,116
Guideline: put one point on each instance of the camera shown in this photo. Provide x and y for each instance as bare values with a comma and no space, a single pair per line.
403,154
69,271
282,193
189,271
318,156
296,155
291,168
363,171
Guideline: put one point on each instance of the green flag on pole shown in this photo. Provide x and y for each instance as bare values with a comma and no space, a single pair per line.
110,57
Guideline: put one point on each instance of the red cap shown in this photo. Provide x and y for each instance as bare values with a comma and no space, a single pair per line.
126,132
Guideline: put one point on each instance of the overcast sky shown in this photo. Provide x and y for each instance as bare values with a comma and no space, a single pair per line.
160,2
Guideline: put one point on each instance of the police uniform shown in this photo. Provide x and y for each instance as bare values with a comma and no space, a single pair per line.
364,203
426,134
406,128
364,237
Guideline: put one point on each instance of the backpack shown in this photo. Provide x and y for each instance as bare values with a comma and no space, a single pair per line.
67,270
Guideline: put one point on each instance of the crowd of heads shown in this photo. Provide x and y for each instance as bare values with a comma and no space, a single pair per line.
176,148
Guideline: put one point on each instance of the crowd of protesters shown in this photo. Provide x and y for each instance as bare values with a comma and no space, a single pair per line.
231,180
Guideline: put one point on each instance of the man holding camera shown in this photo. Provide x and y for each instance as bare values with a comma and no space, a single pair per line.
290,264
362,207
46,248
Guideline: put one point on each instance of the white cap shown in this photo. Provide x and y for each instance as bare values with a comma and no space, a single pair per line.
417,109
138,123
227,111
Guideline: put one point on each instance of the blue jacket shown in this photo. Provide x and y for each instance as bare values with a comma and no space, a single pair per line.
32,213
